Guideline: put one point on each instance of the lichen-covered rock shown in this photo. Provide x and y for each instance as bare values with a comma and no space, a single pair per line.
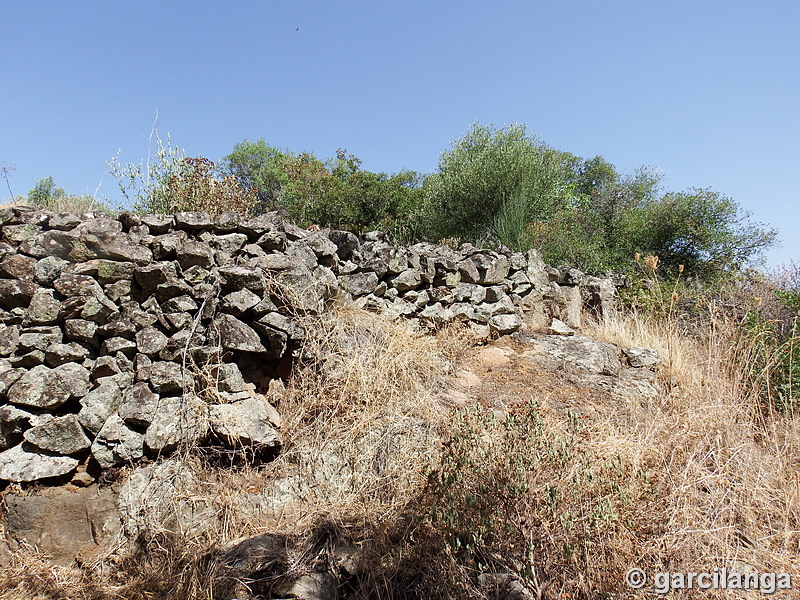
139,404
235,335
42,387
168,377
43,309
59,354
98,405
505,324
15,293
359,284
150,341
20,463
244,423
641,357
178,421
61,435
117,444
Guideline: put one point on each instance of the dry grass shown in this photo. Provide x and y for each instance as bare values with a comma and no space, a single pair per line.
727,470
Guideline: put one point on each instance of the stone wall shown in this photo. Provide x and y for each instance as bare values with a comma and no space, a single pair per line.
131,336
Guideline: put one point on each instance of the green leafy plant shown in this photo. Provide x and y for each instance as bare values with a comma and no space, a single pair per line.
144,185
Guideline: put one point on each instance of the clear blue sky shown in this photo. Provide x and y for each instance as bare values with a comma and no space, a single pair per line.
706,91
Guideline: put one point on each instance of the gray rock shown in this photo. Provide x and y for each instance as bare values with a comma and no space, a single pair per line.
180,304
48,269
239,277
99,404
641,357
118,247
193,220
149,277
20,464
575,352
235,335
166,245
150,341
314,586
168,377
117,444
228,378
152,500
244,423
239,302
505,324
64,221
272,262
191,253
38,338
320,244
409,279
346,243
124,328
158,224
359,284
50,388
119,344
44,308
139,404
180,421
558,327
62,435
9,339
58,354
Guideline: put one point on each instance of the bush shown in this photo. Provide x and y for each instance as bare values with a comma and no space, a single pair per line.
491,178
196,186
46,195
170,182
511,495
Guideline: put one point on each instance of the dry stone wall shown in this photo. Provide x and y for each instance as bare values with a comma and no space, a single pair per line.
132,336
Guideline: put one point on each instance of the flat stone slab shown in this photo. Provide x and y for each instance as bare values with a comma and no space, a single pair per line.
20,464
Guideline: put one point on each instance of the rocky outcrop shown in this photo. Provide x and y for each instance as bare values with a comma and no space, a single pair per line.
110,326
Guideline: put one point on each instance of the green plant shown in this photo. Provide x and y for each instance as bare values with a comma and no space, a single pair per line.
482,172
767,349
45,192
144,185
511,494
46,195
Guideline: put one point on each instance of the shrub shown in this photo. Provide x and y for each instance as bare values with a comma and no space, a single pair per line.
196,186
481,174
46,195
512,495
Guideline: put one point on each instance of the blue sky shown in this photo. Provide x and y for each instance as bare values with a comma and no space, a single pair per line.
706,91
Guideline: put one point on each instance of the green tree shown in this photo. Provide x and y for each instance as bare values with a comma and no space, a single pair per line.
707,232
259,168
45,193
492,174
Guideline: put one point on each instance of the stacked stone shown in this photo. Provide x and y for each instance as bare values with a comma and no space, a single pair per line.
127,336
101,319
